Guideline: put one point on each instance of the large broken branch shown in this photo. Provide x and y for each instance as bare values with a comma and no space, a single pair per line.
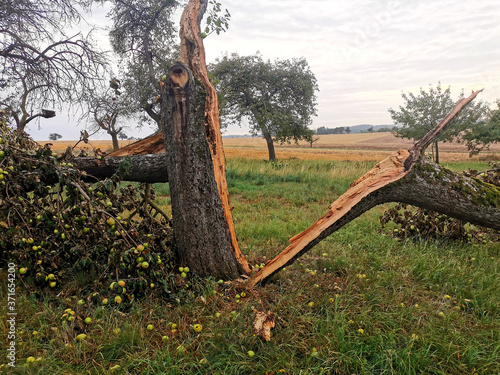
402,177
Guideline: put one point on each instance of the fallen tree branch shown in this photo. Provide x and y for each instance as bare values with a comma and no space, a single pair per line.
142,168
402,177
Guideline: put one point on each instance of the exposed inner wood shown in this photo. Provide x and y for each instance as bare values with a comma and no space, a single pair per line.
193,55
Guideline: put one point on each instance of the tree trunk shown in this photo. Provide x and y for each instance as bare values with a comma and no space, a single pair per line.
193,55
114,138
201,234
270,146
436,155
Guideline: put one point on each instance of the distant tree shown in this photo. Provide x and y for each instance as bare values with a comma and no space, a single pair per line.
40,65
54,136
278,99
420,113
484,133
105,107
348,130
122,136
370,129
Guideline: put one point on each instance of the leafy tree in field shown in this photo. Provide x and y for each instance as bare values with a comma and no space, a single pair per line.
484,133
278,98
40,65
54,136
143,36
122,136
420,113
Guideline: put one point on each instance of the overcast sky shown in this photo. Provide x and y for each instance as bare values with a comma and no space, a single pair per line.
364,53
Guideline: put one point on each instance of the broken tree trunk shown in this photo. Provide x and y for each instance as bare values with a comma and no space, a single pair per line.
201,235
139,168
402,177
193,55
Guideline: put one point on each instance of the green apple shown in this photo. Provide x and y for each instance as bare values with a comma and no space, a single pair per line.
30,359
181,269
86,230
197,328
145,265
23,270
110,221
52,284
121,283
81,337
118,299
51,277
184,275
105,301
150,327
250,353
88,320
140,248
186,269
81,302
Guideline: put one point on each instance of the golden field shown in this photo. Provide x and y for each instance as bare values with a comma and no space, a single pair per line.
356,147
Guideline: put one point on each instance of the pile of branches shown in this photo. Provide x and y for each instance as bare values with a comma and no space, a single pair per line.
69,236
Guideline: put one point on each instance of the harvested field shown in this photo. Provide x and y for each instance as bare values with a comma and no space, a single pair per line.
356,147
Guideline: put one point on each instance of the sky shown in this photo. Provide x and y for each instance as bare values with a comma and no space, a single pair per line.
364,53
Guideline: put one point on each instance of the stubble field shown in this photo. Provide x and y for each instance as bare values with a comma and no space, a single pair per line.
350,147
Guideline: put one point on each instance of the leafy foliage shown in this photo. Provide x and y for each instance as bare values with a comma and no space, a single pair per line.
421,113
484,133
71,236
143,35
418,223
278,99
216,21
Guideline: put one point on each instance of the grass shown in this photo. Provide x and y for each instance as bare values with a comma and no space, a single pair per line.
361,302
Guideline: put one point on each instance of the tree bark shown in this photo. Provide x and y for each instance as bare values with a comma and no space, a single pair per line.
193,55
141,168
114,138
270,146
201,234
402,177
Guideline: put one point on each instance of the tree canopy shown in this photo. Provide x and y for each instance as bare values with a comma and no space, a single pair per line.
40,63
421,113
143,36
278,98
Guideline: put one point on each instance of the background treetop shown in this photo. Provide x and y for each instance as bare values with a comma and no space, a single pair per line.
421,112
277,98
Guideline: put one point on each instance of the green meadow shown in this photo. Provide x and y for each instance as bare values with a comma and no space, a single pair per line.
360,302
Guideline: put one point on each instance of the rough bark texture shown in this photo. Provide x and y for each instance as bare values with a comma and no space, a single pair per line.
402,177
193,55
140,168
201,234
